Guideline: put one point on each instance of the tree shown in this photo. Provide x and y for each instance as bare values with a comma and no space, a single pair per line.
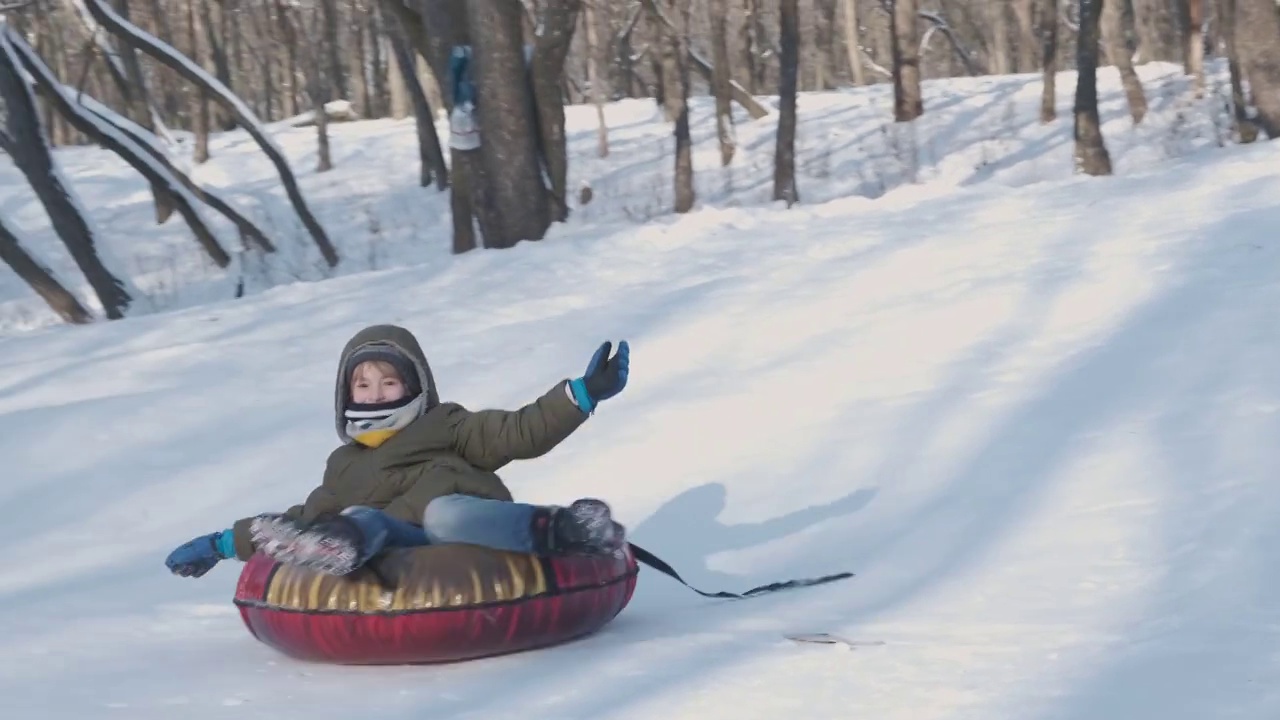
719,13
1257,40
175,61
1192,19
40,279
905,38
784,161
159,174
1049,52
24,140
1245,128
1091,155
1113,38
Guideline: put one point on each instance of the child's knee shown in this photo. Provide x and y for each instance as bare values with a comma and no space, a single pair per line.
444,517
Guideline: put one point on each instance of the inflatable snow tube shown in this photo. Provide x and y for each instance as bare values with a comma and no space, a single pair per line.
433,604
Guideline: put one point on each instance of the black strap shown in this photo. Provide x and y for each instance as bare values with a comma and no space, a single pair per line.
653,561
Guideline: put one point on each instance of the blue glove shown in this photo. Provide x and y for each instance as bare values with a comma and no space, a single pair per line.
604,378
197,557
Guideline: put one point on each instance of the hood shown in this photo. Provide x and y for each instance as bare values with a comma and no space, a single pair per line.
396,338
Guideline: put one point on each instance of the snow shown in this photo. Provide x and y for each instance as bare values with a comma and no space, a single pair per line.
1034,413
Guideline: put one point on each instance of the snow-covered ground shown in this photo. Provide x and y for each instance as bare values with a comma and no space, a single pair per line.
975,132
1038,422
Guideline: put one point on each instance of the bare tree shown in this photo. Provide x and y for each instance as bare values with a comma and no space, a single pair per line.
157,173
1192,20
719,12
1091,154
784,160
557,20
40,279
508,120
594,77
1113,38
1245,128
24,140
1049,52
851,42
1257,29
679,42
308,22
1027,42
908,103
431,155
998,12
170,57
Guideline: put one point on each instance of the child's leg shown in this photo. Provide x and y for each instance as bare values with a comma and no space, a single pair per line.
585,526
392,532
336,546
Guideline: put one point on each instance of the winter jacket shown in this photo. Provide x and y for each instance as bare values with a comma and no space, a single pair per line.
447,450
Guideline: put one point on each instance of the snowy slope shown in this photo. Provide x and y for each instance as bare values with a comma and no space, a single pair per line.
1038,423
976,131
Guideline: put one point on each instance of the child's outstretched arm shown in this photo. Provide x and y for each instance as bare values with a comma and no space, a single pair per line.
489,439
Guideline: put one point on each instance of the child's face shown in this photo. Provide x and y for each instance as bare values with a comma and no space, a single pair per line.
374,382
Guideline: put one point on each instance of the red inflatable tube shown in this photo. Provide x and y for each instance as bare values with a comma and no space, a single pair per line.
433,604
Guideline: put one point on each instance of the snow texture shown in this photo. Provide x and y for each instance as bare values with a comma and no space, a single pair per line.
1035,413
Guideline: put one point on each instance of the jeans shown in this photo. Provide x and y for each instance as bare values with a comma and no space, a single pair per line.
449,519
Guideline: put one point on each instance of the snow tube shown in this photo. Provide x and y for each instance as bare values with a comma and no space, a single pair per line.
433,604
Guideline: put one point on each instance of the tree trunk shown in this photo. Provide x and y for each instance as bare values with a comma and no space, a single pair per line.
1025,10
1049,53
1257,39
677,11
430,153
825,39
518,207
594,77
908,103
319,88
215,40
175,61
1091,151
851,43
998,16
1113,39
199,100
40,279
719,12
1247,131
747,43
24,141
141,111
546,70
1192,16
337,76
398,73
784,159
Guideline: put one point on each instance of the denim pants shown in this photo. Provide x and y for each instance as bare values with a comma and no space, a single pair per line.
449,519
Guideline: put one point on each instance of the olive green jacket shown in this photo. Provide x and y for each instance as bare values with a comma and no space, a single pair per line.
447,450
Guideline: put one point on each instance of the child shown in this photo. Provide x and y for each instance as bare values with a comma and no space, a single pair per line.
415,471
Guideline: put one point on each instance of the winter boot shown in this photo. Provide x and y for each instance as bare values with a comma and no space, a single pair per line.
586,526
335,545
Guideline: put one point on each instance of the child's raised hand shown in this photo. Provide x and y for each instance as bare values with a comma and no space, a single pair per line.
605,376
